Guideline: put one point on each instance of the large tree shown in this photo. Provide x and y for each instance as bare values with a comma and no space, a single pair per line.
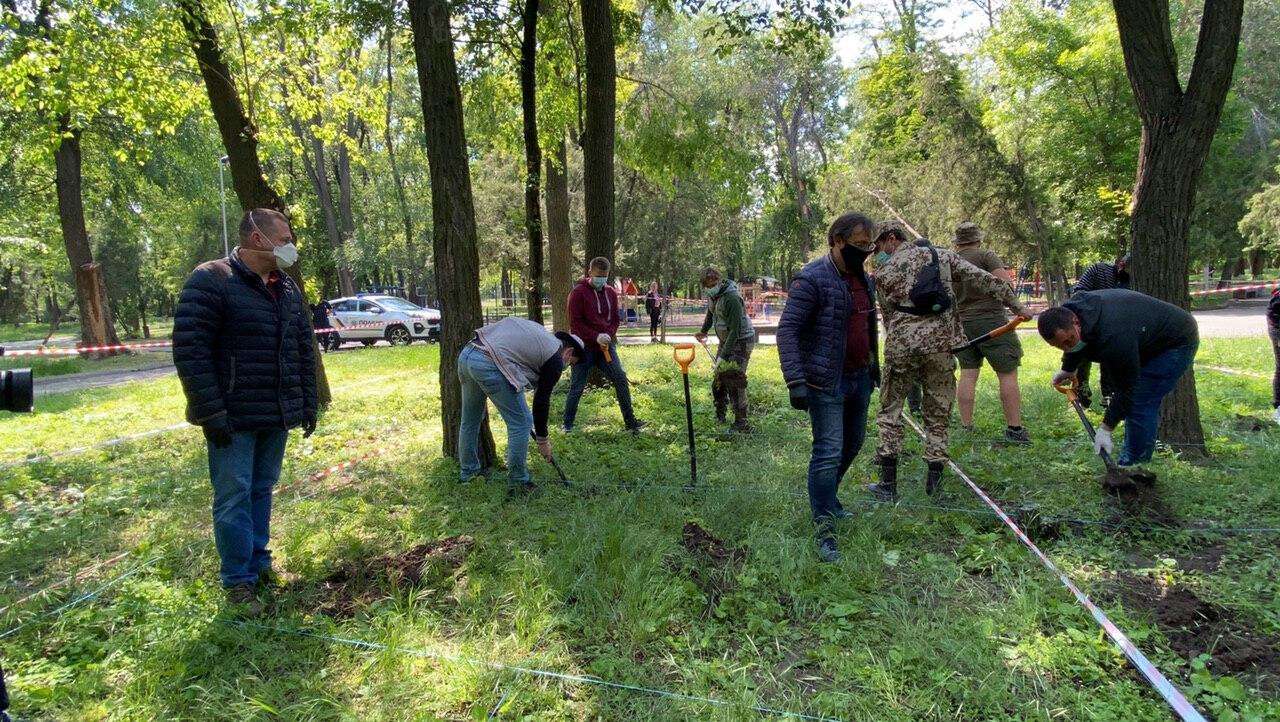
559,235
532,156
239,137
599,128
1178,125
457,261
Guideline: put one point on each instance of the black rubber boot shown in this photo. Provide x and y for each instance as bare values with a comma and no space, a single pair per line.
887,489
933,482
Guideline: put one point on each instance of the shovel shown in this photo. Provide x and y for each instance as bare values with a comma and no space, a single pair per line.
716,359
993,333
1117,479
684,354
563,479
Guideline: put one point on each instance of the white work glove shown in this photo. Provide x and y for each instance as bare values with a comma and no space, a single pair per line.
1063,377
604,339
544,447
1102,441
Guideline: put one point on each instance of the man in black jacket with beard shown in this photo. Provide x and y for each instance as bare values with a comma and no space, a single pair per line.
245,356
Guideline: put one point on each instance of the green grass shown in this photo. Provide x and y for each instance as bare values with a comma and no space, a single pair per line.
10,332
44,366
932,614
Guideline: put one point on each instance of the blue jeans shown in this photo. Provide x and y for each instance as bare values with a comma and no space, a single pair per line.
612,370
482,380
1156,379
243,475
839,427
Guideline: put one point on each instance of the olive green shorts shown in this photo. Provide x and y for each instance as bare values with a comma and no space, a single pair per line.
1003,353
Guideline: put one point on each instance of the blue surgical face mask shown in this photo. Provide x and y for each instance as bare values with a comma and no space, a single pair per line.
882,258
709,292
1078,347
599,281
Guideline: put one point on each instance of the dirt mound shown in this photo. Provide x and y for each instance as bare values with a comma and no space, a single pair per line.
1249,424
359,583
715,562
1142,505
1194,627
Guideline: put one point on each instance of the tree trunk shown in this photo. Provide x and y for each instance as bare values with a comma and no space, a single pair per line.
96,324
559,236
457,260
532,158
598,132
410,241
239,139
342,170
1177,129
316,168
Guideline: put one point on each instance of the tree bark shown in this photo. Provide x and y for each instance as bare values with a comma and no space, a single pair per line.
410,241
1177,129
97,327
598,131
316,167
346,200
239,139
457,260
559,236
532,158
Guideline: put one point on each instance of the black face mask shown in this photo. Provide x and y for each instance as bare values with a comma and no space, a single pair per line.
853,257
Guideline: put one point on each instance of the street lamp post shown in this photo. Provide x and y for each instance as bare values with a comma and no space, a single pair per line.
222,193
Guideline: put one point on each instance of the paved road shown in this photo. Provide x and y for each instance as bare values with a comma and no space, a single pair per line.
97,379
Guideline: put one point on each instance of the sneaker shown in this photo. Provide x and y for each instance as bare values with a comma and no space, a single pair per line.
1017,436
566,428
741,427
484,473
828,551
842,513
244,599
637,427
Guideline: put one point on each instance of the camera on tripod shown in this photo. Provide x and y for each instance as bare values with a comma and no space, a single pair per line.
17,391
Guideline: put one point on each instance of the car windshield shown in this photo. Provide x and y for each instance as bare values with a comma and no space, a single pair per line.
397,304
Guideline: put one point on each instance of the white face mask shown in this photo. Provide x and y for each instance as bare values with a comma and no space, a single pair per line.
286,255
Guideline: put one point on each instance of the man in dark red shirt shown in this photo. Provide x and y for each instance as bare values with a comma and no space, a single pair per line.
593,317
827,346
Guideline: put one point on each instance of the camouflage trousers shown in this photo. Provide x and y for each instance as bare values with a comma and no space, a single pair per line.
936,375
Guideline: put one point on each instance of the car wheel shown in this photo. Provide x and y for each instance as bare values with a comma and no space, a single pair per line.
399,336
368,341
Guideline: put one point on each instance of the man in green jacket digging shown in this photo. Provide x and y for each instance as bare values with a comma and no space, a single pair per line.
727,312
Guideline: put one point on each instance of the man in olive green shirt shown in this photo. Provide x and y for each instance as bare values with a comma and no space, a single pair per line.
728,314
979,313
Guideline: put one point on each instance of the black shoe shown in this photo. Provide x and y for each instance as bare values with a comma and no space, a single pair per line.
1017,436
1085,396
933,482
243,601
828,551
637,427
887,489
842,514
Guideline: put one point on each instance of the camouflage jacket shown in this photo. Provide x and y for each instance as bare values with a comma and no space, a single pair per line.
909,335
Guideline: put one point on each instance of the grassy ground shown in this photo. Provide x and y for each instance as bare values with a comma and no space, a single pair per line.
43,366
10,332
932,614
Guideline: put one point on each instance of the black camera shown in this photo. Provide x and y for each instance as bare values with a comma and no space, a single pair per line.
17,391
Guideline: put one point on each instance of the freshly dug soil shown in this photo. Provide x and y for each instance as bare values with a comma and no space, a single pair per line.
1142,504
715,562
359,583
1249,424
1194,627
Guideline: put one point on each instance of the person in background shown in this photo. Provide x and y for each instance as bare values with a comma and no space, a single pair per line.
827,345
593,317
979,313
728,314
653,306
918,343
1273,330
320,315
1143,344
244,352
1100,276
502,361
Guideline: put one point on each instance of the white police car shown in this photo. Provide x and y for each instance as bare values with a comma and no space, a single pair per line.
371,318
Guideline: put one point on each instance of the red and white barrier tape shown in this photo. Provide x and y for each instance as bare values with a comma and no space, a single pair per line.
1233,289
51,351
352,326
1171,694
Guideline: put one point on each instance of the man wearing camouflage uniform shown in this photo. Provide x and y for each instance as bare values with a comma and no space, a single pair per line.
918,349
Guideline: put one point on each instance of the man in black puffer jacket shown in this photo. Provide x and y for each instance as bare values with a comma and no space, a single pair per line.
828,349
244,351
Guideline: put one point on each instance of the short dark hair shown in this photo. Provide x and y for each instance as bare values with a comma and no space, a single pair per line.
263,218
1053,320
844,226
892,231
600,263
